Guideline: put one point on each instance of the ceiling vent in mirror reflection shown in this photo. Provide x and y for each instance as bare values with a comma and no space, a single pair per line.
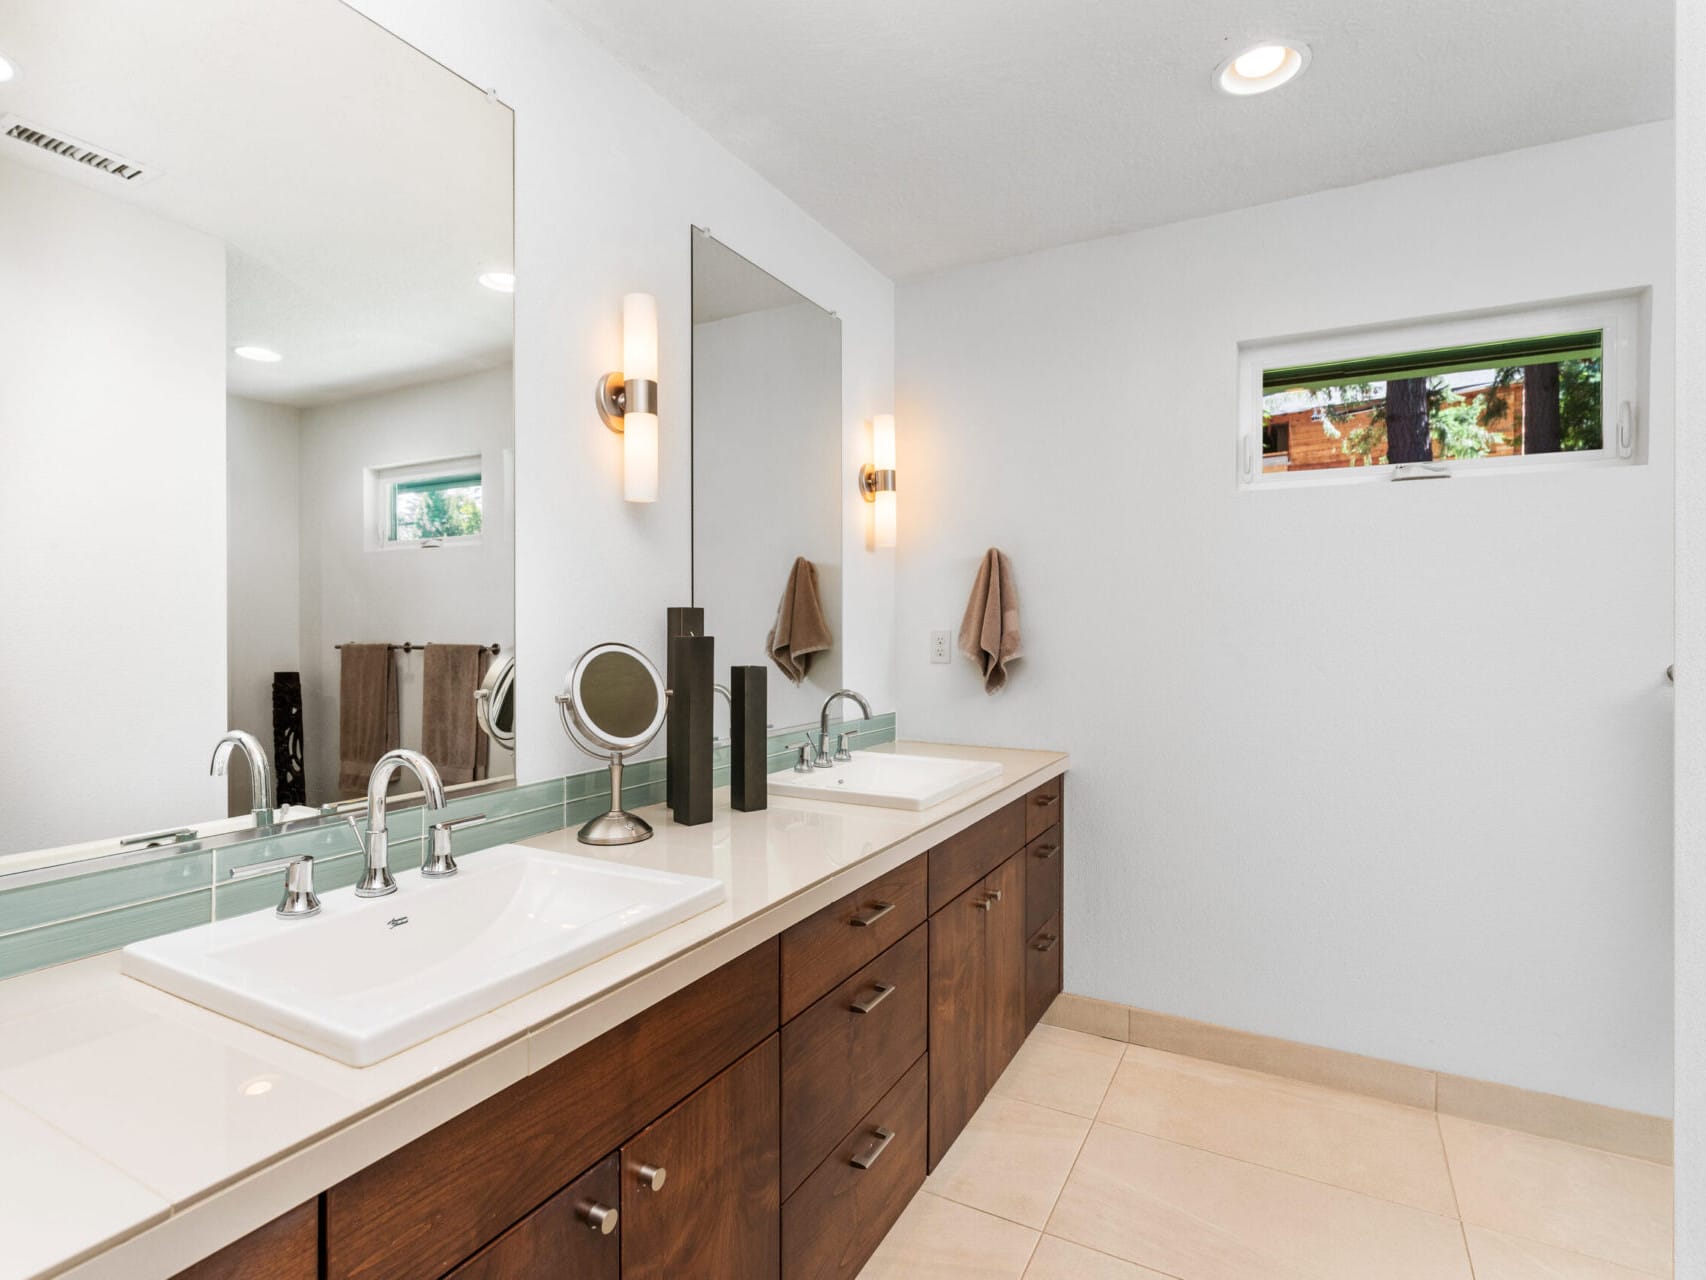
45,141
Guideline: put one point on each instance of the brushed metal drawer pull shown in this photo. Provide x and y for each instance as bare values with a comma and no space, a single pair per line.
870,913
1044,802
865,1159
599,1217
866,1003
1046,943
1047,851
995,895
984,904
653,1176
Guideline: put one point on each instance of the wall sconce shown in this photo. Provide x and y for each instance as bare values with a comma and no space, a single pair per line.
876,480
628,400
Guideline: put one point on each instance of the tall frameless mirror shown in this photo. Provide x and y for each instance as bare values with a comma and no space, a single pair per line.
256,414
767,490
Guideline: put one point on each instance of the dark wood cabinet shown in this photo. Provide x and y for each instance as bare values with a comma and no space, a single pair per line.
1042,971
842,1054
977,997
834,1222
821,950
440,1199
772,1119
576,1233
701,1194
287,1248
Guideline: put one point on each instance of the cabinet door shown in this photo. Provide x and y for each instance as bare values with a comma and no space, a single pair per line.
959,965
574,1233
1042,970
1004,992
701,1188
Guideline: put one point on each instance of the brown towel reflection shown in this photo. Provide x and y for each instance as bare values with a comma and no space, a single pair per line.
450,735
801,629
989,633
367,714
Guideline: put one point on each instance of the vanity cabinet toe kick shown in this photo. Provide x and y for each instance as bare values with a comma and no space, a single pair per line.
773,1119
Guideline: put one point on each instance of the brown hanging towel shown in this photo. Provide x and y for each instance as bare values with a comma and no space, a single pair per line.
989,633
800,629
450,734
367,714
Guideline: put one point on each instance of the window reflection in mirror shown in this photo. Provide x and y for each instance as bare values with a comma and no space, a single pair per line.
258,407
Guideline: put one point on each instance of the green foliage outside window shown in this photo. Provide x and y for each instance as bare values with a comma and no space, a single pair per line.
443,507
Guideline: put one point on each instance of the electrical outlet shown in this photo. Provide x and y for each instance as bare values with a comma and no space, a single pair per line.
941,646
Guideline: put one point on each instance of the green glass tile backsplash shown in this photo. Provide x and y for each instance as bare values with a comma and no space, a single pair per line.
82,915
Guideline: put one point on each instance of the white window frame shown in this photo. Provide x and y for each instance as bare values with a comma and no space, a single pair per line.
381,482
1618,316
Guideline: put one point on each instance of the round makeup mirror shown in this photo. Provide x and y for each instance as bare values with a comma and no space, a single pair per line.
494,702
612,704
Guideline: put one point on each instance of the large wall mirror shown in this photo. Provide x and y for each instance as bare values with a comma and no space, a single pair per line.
256,411
766,470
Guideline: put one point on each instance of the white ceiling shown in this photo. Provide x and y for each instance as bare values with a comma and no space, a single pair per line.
949,131
359,186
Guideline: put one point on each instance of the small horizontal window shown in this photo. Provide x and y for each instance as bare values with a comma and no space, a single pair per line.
1523,387
428,504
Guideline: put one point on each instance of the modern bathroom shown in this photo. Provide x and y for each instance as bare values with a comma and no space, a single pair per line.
1020,641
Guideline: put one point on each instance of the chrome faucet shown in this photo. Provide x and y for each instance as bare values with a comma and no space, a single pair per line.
260,772
376,880
825,759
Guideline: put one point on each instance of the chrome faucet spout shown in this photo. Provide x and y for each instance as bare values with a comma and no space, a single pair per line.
824,760
376,880
261,787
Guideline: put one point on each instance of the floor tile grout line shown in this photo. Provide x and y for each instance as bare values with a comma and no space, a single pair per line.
1103,1253
1284,1173
1456,1204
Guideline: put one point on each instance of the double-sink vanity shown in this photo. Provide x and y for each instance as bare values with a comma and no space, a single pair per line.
755,1089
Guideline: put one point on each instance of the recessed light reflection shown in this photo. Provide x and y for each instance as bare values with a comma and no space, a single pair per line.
7,70
265,355
498,281
256,1087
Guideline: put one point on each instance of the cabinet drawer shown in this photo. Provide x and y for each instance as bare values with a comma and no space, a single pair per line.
1043,878
1043,807
426,1207
961,861
287,1248
834,1222
577,1232
837,1061
1042,970
821,950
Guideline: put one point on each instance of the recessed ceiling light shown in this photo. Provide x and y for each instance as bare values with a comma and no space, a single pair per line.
7,70
1264,67
498,281
266,355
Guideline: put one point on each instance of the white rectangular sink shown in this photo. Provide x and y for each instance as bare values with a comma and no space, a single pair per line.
369,977
888,779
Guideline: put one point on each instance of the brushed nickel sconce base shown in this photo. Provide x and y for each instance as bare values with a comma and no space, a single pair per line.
872,482
615,398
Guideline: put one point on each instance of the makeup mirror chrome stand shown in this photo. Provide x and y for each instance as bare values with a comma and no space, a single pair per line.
613,703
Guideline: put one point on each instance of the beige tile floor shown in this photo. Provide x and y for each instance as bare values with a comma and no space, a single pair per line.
1097,1160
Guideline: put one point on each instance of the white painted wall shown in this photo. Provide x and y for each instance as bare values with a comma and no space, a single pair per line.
1383,768
1690,646
609,181
453,594
263,567
112,439
766,469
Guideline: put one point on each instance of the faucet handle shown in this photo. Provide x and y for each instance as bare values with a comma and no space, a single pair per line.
808,756
299,899
843,747
439,863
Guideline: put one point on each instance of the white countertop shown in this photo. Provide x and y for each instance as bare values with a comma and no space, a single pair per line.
139,1133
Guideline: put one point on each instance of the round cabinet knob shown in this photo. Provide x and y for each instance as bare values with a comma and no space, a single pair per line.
600,1217
652,1176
